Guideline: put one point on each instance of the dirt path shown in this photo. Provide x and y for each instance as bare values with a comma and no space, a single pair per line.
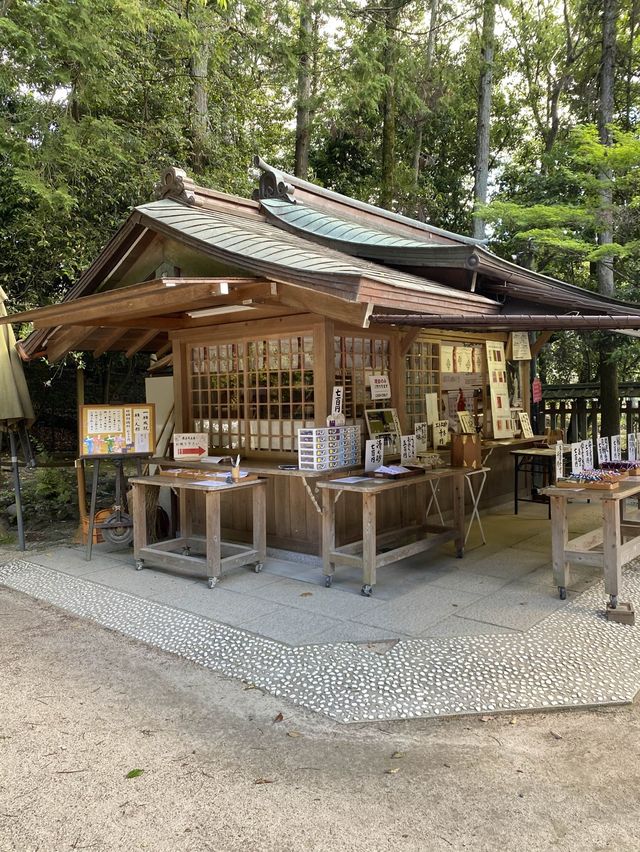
81,707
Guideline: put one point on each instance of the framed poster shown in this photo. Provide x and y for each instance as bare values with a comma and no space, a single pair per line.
117,429
520,346
383,424
467,426
525,424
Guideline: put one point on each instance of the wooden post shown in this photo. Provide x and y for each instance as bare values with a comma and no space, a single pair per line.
139,519
369,533
611,546
212,510
328,531
260,520
559,540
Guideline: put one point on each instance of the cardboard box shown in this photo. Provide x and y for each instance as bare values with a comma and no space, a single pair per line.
466,451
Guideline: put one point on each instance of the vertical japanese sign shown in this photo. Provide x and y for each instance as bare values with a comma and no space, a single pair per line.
602,447
373,453
559,460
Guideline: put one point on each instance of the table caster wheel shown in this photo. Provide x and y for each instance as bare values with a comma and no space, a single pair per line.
366,590
257,568
613,601
328,581
460,553
139,564
212,581
186,551
562,592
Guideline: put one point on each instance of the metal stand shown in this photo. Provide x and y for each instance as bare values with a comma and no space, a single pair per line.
119,520
475,499
21,433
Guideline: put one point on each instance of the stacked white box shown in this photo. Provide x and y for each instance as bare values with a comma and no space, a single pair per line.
329,447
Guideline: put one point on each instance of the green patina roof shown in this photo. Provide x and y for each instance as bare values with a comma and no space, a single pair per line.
256,245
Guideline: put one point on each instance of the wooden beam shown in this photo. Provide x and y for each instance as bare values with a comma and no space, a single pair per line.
66,341
541,340
110,340
163,349
141,342
160,363
352,313
164,295
408,339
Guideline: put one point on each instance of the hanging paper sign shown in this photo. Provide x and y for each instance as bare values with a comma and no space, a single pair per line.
463,359
380,387
441,433
521,351
559,460
616,448
422,436
603,450
536,390
577,463
446,359
337,400
407,448
525,424
373,452
587,454
431,401
631,446
190,445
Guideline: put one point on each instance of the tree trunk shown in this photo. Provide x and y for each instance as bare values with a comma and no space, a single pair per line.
387,177
303,99
428,63
609,398
198,69
483,124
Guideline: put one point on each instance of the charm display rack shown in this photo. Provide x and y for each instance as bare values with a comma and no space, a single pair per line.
19,434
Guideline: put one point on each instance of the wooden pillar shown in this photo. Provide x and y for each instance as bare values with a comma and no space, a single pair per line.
79,402
181,389
323,369
398,379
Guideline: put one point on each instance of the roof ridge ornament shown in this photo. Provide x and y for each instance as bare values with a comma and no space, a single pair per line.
174,183
272,183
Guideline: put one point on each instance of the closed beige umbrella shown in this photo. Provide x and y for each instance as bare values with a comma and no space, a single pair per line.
16,411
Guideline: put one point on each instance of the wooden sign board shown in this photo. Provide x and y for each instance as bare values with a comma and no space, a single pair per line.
467,426
117,429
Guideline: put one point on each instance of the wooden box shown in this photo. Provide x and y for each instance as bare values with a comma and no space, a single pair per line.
466,451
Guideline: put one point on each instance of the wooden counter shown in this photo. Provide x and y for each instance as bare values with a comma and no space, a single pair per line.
176,553
609,546
365,553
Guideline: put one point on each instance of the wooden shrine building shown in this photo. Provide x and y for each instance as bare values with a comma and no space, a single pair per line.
260,307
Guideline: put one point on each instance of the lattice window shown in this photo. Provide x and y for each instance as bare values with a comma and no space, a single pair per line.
254,394
355,359
422,375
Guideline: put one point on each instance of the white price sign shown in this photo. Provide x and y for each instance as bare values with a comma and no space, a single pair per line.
587,454
380,387
407,448
631,446
337,400
422,436
577,462
603,450
559,460
373,454
441,433
616,448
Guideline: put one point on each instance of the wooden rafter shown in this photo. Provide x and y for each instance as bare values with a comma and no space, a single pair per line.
109,341
140,342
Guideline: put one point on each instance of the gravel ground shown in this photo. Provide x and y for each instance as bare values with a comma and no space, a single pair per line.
228,768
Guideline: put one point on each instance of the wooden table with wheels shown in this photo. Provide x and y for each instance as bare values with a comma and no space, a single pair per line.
608,547
175,553
366,554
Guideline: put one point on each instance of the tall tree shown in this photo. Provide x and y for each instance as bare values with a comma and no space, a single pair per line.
609,398
390,60
483,123
303,97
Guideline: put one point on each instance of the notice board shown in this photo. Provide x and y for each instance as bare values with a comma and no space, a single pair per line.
117,429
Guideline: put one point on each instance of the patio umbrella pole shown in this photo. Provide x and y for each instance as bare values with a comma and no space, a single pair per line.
16,486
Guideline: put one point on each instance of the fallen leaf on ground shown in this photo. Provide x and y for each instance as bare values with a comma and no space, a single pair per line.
134,773
306,594
392,771
294,734
397,755
263,781
556,736
487,718
250,686
279,718
513,722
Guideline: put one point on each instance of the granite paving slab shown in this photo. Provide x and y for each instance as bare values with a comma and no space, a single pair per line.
573,657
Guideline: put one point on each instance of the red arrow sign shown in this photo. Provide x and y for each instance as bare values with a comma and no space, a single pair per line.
191,451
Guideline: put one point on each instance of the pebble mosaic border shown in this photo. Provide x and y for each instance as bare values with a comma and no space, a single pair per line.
574,658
